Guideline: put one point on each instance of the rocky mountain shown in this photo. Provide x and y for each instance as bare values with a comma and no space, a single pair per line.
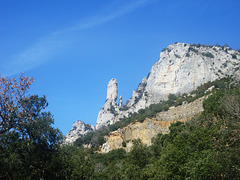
79,129
180,69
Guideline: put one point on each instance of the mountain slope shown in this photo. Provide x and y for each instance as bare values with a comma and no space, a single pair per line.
181,69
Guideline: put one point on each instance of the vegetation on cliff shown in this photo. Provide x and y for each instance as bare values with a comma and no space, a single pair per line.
207,147
96,139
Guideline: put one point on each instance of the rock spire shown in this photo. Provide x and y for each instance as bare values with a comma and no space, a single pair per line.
112,90
110,110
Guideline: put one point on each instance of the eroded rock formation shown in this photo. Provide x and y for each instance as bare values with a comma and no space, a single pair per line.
79,129
110,111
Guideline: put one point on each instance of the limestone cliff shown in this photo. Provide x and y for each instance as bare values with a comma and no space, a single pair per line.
180,69
184,67
110,111
79,129
151,127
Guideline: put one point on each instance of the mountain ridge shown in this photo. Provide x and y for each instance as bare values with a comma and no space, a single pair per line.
180,69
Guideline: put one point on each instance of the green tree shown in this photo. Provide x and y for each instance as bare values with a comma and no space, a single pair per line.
136,160
28,141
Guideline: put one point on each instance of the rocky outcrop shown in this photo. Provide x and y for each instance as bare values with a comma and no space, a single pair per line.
79,129
112,91
120,102
151,127
181,69
110,111
144,131
184,112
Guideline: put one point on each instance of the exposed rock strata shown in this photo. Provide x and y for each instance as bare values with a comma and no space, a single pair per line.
151,127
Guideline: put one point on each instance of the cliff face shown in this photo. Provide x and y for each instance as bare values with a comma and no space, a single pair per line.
181,69
151,127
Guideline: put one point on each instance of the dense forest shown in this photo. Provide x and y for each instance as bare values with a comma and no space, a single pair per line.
206,147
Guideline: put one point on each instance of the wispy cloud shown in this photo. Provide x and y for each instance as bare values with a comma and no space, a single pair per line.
42,51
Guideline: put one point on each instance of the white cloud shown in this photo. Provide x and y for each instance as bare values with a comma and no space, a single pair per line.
42,51
97,20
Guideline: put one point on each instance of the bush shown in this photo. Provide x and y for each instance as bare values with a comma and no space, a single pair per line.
101,140
193,49
166,49
208,54
234,56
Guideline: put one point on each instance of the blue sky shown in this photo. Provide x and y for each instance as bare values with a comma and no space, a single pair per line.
73,48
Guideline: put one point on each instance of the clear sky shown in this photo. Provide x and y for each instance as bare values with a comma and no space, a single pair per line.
72,48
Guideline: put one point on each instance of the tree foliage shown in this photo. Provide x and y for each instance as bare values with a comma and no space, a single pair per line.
13,92
27,138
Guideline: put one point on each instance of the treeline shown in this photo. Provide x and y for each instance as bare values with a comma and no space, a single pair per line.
207,147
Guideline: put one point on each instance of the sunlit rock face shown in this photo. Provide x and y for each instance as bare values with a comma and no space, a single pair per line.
180,69
110,111
149,129
112,90
79,129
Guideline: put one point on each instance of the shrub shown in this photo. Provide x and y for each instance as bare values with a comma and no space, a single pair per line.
101,140
166,49
208,54
193,49
137,98
234,56
166,107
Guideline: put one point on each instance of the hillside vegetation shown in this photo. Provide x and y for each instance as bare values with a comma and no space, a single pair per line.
206,147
